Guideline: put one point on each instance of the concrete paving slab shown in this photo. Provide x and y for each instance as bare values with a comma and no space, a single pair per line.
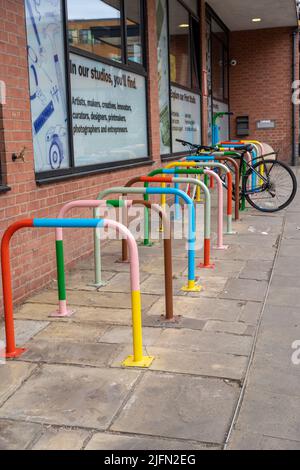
82,314
255,441
285,296
192,408
275,373
238,252
156,266
93,299
25,330
293,218
257,224
245,289
155,285
287,265
290,248
228,268
83,280
257,270
201,308
258,238
17,435
71,396
211,286
250,313
205,341
155,321
13,374
225,366
292,230
35,311
67,352
113,316
277,339
115,266
110,249
270,414
71,331
121,283
123,335
111,442
209,364
236,328
61,439
287,317
283,281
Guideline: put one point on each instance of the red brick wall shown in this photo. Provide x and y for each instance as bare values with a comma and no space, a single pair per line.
32,252
261,84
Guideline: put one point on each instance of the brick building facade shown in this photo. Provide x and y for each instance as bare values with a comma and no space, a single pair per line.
265,89
262,92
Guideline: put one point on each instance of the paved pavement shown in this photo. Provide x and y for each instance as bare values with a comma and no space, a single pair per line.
222,377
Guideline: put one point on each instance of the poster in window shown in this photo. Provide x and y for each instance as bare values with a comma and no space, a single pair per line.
47,79
109,113
186,117
163,76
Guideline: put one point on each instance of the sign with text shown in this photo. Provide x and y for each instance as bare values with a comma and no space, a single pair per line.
109,113
186,117
266,124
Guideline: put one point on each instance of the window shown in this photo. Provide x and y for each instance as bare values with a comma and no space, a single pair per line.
85,36
110,29
178,49
180,59
73,35
217,72
99,26
218,45
196,57
134,32
88,85
217,69
193,5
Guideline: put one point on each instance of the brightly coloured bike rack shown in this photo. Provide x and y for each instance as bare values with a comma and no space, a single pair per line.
137,359
191,285
207,208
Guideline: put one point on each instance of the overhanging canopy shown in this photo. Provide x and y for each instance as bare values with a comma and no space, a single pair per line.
238,14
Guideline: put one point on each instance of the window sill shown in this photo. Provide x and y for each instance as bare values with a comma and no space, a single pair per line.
83,173
4,188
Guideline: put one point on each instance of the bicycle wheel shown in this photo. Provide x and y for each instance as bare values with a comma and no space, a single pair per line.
274,190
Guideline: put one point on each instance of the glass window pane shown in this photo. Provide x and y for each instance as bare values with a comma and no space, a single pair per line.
196,54
226,75
134,36
96,27
219,31
217,69
193,5
179,45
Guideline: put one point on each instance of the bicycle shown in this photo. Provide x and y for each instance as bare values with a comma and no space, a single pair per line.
275,183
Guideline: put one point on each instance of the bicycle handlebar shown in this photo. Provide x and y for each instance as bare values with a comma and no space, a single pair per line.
197,147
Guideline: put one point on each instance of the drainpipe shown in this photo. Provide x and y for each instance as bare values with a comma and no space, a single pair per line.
295,117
